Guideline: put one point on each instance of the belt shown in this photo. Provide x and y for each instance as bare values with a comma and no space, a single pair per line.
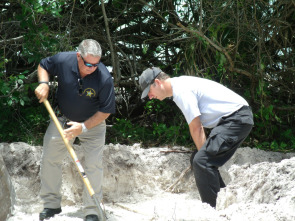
242,108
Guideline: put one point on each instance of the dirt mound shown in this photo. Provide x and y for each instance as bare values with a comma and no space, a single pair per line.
6,192
260,185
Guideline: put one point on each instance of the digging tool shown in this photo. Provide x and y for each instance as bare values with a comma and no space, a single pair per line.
75,159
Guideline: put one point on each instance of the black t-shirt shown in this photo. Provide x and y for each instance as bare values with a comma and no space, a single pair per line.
96,90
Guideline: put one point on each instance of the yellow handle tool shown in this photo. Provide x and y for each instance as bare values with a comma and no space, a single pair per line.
75,158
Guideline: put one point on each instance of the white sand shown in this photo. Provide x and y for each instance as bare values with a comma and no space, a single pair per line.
260,185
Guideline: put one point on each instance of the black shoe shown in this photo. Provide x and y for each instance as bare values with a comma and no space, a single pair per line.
91,218
48,213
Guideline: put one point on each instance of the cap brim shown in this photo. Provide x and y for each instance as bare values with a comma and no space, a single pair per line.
145,92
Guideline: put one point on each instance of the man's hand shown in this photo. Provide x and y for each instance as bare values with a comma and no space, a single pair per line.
42,92
74,130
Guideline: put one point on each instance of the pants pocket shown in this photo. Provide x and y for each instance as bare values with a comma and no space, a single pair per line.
219,143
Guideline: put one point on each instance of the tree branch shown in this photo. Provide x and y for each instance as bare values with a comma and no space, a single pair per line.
218,48
12,39
115,62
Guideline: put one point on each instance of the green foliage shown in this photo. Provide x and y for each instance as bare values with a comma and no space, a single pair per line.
155,106
157,129
38,38
24,119
261,53
278,146
26,124
176,134
53,7
124,131
268,127
9,88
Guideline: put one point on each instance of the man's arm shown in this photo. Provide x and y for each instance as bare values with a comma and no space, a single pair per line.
197,132
43,89
76,128
96,119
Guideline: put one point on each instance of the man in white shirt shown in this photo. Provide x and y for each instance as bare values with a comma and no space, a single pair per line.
208,104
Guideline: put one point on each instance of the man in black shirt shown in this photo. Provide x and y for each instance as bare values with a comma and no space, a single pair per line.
85,98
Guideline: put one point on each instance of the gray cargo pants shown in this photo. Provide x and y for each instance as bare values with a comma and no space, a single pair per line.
219,147
54,151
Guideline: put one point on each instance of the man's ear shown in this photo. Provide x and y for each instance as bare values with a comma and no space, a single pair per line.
157,81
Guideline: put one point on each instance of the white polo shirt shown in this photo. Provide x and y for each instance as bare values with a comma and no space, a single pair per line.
209,100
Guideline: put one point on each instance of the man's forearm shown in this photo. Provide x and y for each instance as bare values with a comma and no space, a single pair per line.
96,119
197,132
199,138
42,89
42,74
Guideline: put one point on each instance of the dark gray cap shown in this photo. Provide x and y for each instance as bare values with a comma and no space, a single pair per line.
146,79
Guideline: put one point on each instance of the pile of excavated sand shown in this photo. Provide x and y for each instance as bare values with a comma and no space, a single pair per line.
260,185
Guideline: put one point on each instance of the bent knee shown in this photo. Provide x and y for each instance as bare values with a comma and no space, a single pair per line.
199,163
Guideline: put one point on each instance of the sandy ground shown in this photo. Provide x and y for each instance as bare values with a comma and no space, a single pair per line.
260,185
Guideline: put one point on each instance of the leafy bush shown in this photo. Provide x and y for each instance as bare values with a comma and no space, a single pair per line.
162,124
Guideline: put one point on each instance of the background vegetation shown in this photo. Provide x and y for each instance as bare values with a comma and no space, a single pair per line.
246,45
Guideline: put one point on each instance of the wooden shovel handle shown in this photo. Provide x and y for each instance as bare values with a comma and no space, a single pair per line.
69,147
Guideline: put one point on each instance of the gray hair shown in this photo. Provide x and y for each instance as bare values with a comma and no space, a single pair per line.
163,76
90,46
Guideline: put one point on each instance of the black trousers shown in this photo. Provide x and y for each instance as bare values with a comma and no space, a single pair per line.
219,147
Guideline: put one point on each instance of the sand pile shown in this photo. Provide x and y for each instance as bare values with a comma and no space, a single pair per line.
260,186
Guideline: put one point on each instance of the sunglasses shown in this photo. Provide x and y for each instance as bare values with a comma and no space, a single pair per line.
88,64
80,86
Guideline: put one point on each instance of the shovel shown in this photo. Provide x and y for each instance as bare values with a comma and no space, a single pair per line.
75,159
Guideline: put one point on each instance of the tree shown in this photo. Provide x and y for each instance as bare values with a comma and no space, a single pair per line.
246,45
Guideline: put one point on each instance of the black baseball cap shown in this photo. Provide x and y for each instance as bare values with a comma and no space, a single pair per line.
146,78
